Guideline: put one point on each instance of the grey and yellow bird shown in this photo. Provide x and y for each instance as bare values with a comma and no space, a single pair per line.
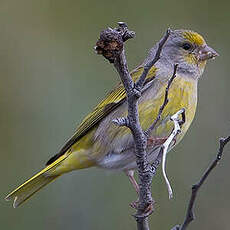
99,142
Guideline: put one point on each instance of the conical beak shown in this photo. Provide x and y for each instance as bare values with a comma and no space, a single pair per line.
206,53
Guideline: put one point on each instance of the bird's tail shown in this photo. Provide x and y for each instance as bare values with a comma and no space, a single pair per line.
35,183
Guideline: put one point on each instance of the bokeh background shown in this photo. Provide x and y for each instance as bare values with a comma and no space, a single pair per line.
50,78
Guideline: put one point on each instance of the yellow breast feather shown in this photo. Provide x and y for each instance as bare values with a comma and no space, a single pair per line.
182,94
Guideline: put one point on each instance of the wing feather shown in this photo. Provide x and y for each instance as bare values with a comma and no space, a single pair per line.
115,98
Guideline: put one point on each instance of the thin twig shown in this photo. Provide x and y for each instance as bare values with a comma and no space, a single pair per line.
148,66
166,100
195,188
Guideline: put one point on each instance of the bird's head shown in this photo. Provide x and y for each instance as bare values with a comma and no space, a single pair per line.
189,50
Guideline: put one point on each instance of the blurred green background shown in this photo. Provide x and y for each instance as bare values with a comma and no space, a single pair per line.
50,78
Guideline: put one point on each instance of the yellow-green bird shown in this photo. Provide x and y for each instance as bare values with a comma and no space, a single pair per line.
99,142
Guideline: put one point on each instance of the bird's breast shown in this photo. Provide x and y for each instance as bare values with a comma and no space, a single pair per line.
181,94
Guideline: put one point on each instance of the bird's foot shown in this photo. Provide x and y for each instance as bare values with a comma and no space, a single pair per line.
153,141
148,210
134,204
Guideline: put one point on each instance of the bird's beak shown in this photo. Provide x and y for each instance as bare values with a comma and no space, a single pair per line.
206,53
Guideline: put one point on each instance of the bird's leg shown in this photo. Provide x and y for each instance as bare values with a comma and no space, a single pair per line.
130,174
134,204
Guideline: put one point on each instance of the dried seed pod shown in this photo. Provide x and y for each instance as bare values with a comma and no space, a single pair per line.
110,44
111,41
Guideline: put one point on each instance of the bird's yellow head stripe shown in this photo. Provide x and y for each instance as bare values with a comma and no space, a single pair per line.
194,38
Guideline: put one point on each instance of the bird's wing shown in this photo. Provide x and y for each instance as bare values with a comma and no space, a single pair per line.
113,100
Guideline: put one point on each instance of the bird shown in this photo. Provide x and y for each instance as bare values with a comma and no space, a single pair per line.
98,142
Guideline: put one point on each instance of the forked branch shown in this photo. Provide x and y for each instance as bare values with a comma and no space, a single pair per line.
195,188
111,46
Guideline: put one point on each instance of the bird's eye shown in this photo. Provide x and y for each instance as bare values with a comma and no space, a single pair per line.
187,46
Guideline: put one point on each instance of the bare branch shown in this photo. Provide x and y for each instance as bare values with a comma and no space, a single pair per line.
111,46
195,188
143,224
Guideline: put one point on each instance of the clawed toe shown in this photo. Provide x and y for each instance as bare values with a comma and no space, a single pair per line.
134,204
149,209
